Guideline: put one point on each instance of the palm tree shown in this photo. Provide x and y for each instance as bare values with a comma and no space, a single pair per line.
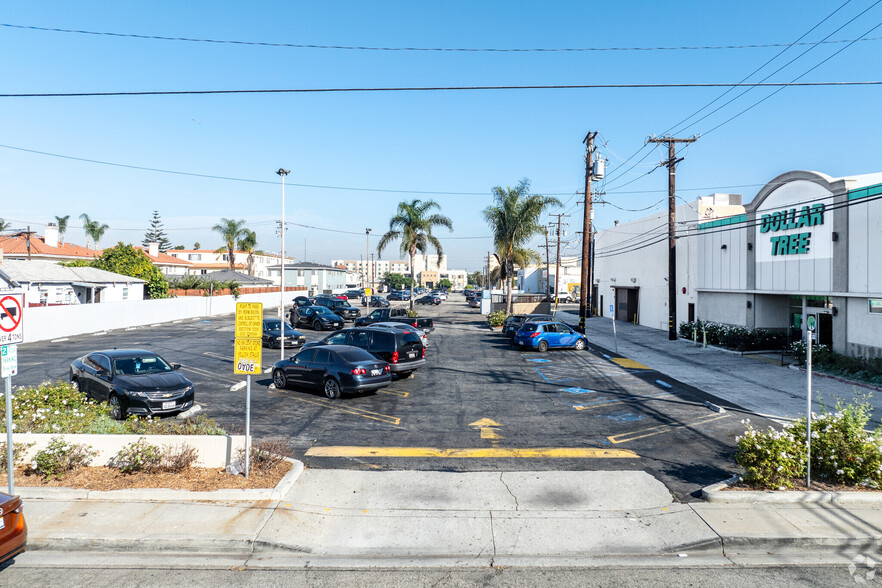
520,257
231,231
98,232
88,227
413,225
514,218
4,225
247,243
62,226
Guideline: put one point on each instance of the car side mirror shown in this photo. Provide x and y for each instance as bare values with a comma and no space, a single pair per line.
102,373
176,366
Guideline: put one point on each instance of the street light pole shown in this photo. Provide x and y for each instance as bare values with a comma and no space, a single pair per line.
367,252
282,172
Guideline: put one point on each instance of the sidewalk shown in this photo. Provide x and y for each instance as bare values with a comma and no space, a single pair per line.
747,381
354,518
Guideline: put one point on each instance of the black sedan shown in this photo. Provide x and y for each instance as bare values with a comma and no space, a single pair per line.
377,301
399,296
272,335
335,369
133,381
317,317
428,299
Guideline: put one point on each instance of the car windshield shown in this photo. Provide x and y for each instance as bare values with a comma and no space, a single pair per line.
141,364
530,327
323,310
344,304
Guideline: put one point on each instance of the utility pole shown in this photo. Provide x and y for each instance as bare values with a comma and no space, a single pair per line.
557,258
547,268
584,290
489,287
671,164
367,249
373,271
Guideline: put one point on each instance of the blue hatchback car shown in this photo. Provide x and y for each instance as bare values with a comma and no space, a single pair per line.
546,335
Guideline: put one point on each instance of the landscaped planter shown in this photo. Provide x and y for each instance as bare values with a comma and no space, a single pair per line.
214,451
719,493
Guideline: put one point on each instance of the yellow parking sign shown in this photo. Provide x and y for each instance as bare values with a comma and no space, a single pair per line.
368,292
249,320
247,356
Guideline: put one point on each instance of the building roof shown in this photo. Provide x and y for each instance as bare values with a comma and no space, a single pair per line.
40,271
17,245
227,275
164,258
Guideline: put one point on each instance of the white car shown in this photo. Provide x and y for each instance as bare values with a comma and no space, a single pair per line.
565,297
424,336
440,294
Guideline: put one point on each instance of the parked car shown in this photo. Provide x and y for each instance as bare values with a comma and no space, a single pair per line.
440,294
475,302
563,297
546,335
272,335
317,317
403,351
377,301
13,528
514,322
398,315
133,381
428,299
341,308
335,369
301,301
469,294
423,335
353,294
399,296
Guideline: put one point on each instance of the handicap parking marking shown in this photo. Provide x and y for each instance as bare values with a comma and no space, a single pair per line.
658,430
540,360
629,363
544,377
577,390
621,417
607,401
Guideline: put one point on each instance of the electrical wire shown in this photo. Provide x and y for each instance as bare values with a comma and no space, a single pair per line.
427,49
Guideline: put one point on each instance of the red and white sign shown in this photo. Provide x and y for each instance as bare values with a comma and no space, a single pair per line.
11,324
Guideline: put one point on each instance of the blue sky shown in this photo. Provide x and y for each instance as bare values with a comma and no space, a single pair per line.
443,141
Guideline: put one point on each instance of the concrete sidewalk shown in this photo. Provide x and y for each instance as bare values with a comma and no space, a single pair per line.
748,381
353,518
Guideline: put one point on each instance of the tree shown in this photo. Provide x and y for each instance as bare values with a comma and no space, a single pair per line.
396,281
247,243
4,225
230,231
514,218
445,283
88,225
475,278
520,257
156,234
413,224
196,245
178,248
62,226
98,232
131,261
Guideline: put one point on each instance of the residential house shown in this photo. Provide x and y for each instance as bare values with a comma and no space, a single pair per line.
46,283
203,261
315,277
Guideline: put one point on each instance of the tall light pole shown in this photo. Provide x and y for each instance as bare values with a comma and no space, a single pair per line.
282,172
367,252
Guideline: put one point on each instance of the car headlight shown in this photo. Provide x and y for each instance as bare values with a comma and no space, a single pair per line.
139,394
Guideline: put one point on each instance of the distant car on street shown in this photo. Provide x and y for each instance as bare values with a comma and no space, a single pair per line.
403,350
423,335
440,294
398,296
339,307
353,294
133,381
375,301
428,299
334,369
475,302
516,321
319,318
546,335
272,335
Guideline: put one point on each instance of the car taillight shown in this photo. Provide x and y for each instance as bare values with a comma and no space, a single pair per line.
413,324
358,371
387,369
394,357
424,353
534,334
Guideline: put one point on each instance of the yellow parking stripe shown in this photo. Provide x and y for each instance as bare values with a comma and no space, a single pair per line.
393,392
350,410
629,363
625,437
540,452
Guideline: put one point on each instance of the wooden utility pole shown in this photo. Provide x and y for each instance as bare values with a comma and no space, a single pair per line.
489,286
557,259
671,164
585,287
547,268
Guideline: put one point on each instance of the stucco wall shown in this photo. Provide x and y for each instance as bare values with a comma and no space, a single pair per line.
723,307
864,329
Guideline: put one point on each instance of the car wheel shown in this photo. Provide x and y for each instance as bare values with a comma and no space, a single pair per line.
117,410
332,388
580,344
74,383
317,326
404,375
542,346
280,381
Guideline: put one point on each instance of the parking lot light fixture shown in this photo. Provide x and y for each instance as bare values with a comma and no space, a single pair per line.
282,172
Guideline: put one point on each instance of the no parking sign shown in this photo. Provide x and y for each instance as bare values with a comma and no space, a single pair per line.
11,324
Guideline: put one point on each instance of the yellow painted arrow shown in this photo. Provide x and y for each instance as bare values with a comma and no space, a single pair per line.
486,427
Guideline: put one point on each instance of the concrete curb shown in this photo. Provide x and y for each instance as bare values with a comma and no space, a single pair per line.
717,493
165,494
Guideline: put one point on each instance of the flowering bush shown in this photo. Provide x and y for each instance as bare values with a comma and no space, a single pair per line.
733,336
18,454
58,407
60,458
842,451
827,361
496,318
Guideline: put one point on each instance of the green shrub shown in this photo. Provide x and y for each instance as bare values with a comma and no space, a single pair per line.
139,456
60,457
496,318
265,454
733,336
842,451
177,459
412,313
18,453
829,362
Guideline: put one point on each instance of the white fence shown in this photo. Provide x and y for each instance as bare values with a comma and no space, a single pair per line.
42,323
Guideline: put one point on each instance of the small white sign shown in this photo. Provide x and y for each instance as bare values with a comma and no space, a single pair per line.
8,361
611,311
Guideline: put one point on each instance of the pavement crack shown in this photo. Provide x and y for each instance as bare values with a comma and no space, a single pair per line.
517,506
493,540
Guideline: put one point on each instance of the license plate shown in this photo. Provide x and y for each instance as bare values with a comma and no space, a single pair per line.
168,405
411,355
376,372
2,523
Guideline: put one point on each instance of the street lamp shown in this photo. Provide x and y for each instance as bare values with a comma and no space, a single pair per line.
282,172
367,249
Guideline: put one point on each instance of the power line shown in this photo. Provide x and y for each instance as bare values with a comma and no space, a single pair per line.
438,89
426,49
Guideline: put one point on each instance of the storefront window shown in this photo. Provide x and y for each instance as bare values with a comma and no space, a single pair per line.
875,305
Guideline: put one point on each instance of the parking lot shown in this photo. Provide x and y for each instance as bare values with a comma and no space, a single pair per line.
479,404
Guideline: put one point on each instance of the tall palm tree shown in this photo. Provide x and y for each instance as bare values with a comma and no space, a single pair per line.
412,224
62,226
98,230
520,257
4,225
514,218
88,227
231,231
247,243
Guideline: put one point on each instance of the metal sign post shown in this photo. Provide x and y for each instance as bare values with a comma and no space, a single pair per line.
9,368
809,331
247,356
612,315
